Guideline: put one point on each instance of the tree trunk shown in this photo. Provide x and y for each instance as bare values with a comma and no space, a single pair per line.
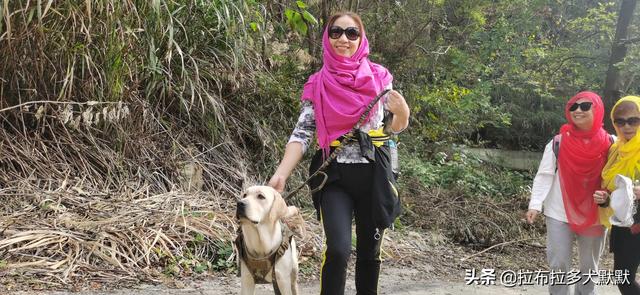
325,13
613,84
325,7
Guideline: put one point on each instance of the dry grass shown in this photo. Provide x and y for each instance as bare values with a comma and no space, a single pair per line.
115,193
178,54
478,221
127,128
110,200
62,237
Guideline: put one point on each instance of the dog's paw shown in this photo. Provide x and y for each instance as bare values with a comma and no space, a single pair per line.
292,211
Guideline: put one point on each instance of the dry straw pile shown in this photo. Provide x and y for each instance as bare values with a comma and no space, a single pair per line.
76,208
127,128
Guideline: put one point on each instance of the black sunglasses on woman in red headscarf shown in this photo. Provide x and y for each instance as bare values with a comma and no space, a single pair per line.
584,106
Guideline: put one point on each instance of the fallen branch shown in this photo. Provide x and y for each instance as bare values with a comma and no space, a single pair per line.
494,246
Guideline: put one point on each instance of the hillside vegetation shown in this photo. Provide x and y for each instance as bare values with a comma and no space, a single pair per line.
128,127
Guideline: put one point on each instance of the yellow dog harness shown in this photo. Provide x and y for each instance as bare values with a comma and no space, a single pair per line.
378,138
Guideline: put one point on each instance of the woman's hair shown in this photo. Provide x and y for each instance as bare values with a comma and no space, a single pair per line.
624,108
354,16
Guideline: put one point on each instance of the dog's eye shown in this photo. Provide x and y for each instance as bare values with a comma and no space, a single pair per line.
261,197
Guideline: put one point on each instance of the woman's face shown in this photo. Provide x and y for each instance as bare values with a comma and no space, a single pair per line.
628,123
581,113
342,45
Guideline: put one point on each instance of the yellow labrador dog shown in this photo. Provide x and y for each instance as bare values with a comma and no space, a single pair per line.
266,248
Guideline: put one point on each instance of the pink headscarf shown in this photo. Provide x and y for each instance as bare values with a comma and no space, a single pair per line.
342,89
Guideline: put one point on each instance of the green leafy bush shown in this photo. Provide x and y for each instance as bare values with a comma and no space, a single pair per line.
456,171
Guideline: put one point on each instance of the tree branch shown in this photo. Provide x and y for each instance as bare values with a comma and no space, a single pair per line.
570,58
629,41
494,246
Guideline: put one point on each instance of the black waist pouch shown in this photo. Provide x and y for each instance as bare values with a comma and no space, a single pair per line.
385,202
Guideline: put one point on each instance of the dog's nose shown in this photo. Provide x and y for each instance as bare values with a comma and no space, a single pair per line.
241,206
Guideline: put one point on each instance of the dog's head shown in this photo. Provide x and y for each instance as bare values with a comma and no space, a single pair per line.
263,204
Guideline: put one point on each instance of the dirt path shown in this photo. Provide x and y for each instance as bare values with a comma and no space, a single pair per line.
415,264
395,281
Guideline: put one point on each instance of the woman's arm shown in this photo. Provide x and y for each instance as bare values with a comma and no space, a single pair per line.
542,182
292,155
298,143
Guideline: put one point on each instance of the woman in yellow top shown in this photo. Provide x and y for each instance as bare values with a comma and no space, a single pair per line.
624,158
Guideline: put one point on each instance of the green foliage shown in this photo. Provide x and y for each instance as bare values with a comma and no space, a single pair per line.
522,58
179,55
469,176
221,261
630,67
450,112
211,256
299,18
398,225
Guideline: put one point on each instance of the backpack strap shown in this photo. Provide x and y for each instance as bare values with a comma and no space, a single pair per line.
556,148
556,145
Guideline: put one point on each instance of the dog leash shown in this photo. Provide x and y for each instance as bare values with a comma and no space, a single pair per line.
334,154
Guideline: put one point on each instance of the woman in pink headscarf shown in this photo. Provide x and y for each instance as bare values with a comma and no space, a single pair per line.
360,180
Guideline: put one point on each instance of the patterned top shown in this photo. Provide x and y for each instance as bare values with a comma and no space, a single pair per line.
350,153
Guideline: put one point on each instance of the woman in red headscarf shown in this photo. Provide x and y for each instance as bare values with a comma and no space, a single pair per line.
568,176
333,100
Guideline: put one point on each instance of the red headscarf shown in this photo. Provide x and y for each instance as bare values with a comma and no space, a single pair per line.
582,156
342,89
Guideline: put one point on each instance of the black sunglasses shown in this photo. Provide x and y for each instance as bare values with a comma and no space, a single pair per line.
584,106
352,33
632,121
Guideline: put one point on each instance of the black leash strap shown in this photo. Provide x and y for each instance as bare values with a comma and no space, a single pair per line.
334,154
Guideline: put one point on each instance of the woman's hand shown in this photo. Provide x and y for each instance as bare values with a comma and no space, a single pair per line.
600,197
636,192
531,215
278,182
397,104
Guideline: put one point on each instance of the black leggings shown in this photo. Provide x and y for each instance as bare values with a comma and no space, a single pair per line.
626,257
350,194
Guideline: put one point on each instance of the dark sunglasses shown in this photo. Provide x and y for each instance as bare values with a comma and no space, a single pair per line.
352,33
584,106
632,121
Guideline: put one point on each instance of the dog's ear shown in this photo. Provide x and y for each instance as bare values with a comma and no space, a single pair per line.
279,208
